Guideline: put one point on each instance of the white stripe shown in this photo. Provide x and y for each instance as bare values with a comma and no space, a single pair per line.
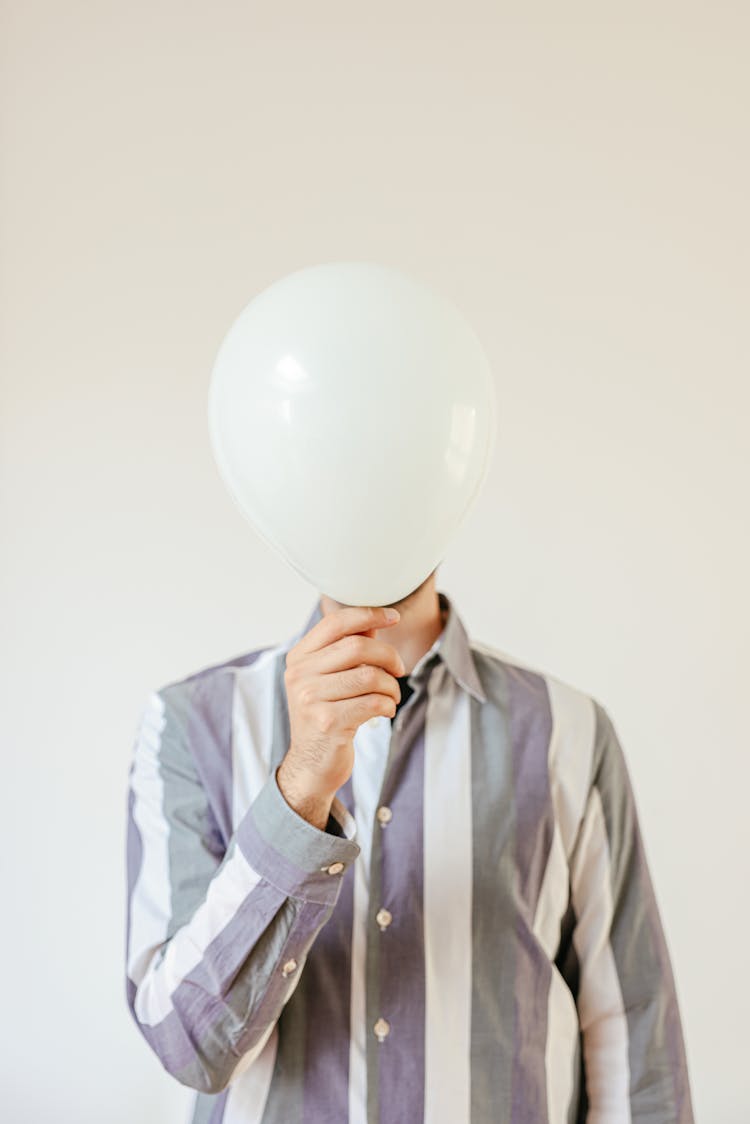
151,895
560,1051
600,1004
447,900
371,745
553,897
250,1083
226,892
572,753
252,730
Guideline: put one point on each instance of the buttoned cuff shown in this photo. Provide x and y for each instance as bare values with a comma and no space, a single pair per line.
292,853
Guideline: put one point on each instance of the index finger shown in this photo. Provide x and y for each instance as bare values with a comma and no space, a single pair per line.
346,621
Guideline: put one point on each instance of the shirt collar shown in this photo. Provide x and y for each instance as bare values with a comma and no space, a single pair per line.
452,646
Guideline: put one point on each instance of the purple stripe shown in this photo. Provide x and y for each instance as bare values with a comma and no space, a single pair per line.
401,1055
327,1008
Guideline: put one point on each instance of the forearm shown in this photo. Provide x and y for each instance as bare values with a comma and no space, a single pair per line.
210,994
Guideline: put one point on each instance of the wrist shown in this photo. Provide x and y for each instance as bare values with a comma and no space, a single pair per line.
301,795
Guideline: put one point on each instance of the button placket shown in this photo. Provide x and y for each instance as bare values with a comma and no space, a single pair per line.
384,815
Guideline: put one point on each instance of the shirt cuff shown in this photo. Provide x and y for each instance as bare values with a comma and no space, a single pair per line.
292,853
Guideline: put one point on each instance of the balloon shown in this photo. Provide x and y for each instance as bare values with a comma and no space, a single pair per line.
352,419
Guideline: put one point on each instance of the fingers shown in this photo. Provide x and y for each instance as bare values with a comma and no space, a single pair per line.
351,651
345,622
366,679
354,711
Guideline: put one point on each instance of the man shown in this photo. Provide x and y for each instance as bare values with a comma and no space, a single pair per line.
383,873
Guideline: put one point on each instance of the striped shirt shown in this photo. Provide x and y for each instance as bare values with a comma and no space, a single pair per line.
475,937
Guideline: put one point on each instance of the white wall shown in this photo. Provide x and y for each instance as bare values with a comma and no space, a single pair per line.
577,177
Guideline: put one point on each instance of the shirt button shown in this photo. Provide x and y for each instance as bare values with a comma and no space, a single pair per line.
289,967
381,1028
383,918
384,815
334,868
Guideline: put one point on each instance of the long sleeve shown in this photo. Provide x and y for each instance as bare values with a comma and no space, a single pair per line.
216,939
633,1048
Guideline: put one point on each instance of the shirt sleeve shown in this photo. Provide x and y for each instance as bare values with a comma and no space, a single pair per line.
633,1048
216,938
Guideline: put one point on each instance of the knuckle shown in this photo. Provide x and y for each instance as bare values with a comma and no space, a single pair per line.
355,646
365,675
324,719
306,696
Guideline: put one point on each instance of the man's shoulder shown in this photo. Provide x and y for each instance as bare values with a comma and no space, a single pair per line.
211,676
532,677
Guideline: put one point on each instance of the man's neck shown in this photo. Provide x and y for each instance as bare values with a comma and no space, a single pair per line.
419,627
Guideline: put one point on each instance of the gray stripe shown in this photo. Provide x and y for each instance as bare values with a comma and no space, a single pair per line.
209,733
658,1069
285,1100
187,810
530,723
494,955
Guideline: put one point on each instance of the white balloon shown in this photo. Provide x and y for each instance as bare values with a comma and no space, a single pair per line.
352,418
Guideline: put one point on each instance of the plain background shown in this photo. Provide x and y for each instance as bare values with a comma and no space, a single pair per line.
576,177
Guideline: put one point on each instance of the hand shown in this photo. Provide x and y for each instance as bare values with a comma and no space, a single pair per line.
337,676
